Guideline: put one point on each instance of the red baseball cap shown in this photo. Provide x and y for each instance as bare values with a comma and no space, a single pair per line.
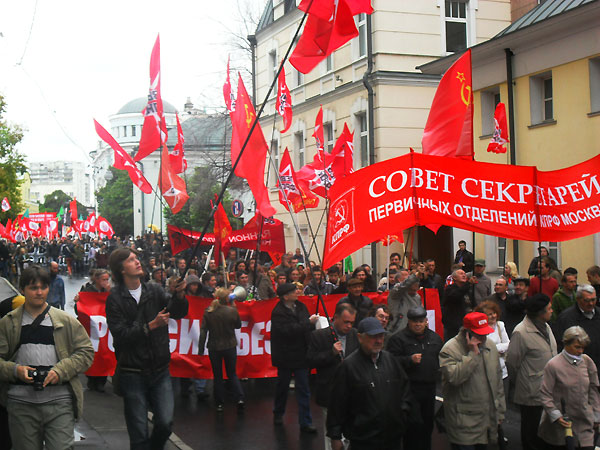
477,323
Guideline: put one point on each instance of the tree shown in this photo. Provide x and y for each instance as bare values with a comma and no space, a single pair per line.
115,202
201,187
57,199
12,164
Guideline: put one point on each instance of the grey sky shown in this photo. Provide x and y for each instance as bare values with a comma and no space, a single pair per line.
85,59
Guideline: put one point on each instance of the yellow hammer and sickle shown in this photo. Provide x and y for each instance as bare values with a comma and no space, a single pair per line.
467,100
249,116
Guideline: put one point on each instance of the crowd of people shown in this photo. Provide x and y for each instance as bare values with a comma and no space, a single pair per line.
531,340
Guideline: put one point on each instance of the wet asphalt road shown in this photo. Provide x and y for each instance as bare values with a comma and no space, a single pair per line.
200,426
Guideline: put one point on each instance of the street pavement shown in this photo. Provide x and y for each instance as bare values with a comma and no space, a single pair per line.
197,424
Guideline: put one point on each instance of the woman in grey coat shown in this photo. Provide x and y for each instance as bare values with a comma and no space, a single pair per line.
570,379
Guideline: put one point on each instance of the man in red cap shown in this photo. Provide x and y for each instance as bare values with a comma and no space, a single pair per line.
474,403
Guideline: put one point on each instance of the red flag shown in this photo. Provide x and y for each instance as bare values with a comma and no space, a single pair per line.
123,161
323,35
73,209
318,133
171,185
500,138
283,104
92,221
5,204
391,238
154,129
222,229
176,156
449,128
343,152
325,9
104,227
52,228
228,93
298,197
252,163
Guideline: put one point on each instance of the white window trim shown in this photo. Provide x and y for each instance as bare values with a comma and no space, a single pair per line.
536,98
270,167
546,244
472,7
354,47
487,114
358,108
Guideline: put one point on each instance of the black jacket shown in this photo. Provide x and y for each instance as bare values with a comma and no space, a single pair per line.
405,343
467,259
573,316
290,332
320,356
369,402
515,313
362,305
136,347
325,288
458,300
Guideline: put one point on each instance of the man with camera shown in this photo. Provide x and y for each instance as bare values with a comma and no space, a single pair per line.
42,350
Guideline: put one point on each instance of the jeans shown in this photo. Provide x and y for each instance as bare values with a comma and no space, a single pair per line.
530,422
229,356
143,392
418,436
302,393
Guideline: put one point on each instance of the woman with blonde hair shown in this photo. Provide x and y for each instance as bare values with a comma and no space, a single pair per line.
510,274
220,322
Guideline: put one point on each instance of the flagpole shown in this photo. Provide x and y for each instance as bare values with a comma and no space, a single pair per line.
245,144
388,262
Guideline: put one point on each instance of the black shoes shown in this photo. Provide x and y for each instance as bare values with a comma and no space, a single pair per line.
308,429
241,405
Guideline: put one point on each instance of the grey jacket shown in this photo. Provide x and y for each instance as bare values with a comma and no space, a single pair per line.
526,357
73,348
473,391
400,301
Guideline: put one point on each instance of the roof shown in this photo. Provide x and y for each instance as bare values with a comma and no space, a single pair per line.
204,132
267,17
541,12
137,106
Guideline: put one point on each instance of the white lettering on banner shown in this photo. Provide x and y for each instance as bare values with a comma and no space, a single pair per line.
397,180
99,329
339,233
251,344
189,336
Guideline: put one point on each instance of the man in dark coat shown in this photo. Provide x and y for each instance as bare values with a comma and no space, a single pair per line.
291,325
586,314
418,348
458,301
361,303
369,403
464,257
327,349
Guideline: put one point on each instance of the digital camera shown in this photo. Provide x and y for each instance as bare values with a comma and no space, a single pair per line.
38,375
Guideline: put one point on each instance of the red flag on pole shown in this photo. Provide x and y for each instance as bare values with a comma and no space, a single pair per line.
171,185
5,204
252,163
154,129
176,156
449,128
318,132
324,33
325,9
283,104
73,208
222,229
123,161
104,227
500,137
228,92
297,196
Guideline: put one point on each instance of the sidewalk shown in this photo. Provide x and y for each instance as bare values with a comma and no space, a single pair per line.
103,424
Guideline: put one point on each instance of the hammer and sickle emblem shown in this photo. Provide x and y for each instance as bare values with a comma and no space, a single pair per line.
249,116
466,100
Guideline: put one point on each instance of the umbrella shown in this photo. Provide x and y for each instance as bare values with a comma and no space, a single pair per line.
569,439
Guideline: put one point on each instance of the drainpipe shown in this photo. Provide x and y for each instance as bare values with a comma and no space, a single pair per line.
511,127
252,40
370,117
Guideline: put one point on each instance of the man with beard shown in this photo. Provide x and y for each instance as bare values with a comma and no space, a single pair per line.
56,296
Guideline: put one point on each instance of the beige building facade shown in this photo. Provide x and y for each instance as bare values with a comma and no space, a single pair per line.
399,36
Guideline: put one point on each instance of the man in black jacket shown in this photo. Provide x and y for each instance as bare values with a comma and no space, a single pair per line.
327,349
586,314
369,402
137,314
355,298
291,325
418,348
458,301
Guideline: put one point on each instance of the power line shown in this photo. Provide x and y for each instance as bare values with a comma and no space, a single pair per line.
29,35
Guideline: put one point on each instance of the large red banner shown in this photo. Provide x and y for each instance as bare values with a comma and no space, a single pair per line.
254,339
515,202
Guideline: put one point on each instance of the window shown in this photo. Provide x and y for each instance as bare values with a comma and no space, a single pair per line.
298,78
541,98
362,34
125,131
299,147
456,26
501,250
329,63
328,136
489,101
133,130
595,85
273,66
289,5
364,141
553,251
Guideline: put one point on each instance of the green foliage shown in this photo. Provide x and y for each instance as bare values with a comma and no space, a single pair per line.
58,198
115,202
12,164
201,187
